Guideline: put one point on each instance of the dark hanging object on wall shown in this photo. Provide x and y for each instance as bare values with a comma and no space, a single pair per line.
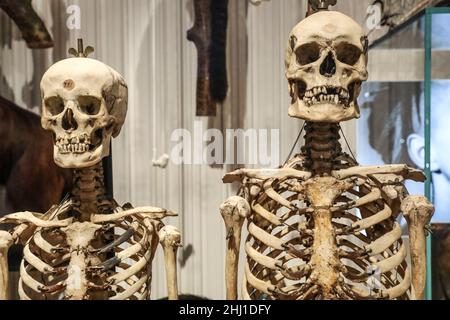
200,34
30,24
209,34
218,50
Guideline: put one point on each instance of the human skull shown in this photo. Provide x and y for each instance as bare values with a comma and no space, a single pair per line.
84,103
326,62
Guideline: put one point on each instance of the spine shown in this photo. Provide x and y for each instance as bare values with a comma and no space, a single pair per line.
322,147
89,192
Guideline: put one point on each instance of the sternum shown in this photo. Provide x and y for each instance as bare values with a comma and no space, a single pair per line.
325,259
322,193
76,283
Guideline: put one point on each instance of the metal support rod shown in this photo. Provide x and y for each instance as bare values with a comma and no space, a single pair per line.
108,174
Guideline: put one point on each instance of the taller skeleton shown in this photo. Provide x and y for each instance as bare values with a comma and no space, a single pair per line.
87,247
322,227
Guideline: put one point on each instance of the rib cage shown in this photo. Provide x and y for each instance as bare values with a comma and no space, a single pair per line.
279,248
90,248
138,252
121,270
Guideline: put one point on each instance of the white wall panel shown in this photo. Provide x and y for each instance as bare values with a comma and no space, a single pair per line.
145,40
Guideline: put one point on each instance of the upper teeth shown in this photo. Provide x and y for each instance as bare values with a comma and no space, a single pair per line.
321,95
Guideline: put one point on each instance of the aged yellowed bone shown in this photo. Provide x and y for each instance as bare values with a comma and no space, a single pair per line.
417,212
6,241
170,239
234,211
87,247
322,227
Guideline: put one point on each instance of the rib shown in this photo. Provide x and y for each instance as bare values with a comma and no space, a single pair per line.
262,259
132,270
245,294
43,244
265,237
271,193
30,282
257,283
392,262
374,195
22,294
385,241
131,290
373,220
35,262
117,242
260,210
401,288
296,273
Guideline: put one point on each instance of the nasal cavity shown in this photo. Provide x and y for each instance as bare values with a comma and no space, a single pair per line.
328,67
68,121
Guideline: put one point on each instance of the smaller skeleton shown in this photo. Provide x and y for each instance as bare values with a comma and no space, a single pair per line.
322,227
87,247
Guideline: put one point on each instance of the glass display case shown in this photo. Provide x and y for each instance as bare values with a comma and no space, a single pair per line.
405,119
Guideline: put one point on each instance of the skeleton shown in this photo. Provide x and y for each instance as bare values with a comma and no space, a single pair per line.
87,247
322,227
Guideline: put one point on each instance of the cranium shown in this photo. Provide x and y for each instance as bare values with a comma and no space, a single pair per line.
84,103
326,62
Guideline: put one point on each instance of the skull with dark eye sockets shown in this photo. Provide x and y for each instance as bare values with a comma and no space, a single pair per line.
326,63
84,104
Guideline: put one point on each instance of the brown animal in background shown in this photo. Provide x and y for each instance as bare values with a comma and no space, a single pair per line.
441,261
33,181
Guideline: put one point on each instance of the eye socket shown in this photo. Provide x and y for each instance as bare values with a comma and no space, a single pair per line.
54,105
308,53
89,105
348,53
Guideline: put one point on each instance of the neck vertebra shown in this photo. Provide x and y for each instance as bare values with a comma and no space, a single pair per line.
88,193
322,147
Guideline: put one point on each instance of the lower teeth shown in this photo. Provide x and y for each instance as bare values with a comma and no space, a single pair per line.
74,148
